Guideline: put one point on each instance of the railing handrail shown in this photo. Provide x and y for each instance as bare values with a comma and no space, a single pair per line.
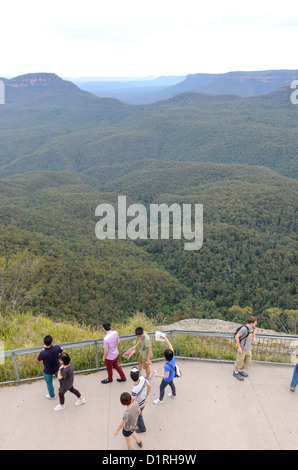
278,346
74,344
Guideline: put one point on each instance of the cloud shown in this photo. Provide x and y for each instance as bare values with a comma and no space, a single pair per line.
291,23
106,33
133,38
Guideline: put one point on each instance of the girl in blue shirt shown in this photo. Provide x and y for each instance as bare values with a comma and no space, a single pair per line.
168,376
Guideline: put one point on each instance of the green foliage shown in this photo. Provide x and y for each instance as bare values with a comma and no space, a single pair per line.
247,259
281,320
19,284
235,156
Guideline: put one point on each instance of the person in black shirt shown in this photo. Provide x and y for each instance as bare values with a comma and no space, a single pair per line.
49,355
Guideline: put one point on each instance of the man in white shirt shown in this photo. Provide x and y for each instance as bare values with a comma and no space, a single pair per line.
140,392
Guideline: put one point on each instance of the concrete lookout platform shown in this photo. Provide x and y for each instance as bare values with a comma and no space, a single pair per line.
213,411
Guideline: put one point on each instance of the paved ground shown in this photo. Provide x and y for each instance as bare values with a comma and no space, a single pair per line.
213,411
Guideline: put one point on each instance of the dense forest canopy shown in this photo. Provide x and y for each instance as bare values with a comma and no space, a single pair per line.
64,151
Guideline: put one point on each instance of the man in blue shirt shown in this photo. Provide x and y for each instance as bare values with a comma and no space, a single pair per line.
168,376
49,356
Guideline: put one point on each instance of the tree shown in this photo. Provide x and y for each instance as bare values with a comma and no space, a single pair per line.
292,319
277,319
239,314
18,281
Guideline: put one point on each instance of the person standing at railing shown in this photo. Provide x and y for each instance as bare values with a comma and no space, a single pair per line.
244,338
111,353
144,359
49,355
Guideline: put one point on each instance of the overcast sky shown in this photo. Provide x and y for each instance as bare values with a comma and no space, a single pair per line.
133,38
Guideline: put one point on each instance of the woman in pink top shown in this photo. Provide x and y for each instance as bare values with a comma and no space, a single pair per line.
111,353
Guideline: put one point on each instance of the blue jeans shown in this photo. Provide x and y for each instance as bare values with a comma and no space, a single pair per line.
140,422
49,382
295,377
163,386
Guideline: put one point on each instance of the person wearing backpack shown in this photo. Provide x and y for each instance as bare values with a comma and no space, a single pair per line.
245,336
168,376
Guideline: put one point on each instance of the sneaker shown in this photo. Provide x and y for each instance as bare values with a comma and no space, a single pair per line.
80,402
138,430
292,389
238,376
158,401
59,407
171,395
244,374
50,398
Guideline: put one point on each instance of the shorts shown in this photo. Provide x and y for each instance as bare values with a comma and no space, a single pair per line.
243,360
143,362
127,433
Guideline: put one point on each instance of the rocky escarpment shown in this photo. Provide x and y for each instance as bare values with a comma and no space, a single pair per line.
213,324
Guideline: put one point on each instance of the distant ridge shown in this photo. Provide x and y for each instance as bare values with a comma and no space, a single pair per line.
240,83
40,80
40,88
48,123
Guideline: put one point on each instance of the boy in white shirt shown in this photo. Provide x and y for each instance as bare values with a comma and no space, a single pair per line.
140,392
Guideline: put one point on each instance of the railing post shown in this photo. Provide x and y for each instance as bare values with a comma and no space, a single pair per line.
96,355
16,371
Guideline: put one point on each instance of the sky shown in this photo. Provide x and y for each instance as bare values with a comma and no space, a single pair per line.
133,38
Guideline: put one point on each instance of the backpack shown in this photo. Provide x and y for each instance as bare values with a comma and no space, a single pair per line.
243,337
178,372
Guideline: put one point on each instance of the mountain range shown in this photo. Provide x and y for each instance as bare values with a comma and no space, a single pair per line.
50,124
64,151
252,83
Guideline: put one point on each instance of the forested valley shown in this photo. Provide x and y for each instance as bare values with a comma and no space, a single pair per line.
65,151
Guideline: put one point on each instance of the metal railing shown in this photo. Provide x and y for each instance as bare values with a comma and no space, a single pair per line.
21,364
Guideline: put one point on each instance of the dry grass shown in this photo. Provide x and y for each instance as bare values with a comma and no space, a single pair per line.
25,330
